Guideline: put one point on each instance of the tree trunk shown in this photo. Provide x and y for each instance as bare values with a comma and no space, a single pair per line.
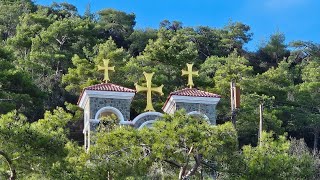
194,169
184,168
162,174
9,162
315,141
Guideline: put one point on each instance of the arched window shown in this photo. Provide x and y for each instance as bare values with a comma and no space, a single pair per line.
199,114
108,111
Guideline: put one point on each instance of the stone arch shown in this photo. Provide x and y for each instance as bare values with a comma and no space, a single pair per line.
146,123
145,118
109,109
197,113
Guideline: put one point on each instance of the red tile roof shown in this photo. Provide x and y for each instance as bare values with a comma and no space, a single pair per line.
191,92
109,87
194,92
106,87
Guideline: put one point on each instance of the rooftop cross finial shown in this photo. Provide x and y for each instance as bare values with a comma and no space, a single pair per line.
106,69
190,73
149,89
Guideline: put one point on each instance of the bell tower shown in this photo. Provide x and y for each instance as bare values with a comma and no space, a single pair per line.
194,101
102,100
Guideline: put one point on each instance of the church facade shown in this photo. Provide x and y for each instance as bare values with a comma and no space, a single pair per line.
106,98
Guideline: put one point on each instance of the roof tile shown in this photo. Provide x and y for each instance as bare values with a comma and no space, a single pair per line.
109,87
194,92
106,87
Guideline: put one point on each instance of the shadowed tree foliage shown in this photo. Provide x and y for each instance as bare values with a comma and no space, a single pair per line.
273,160
34,148
10,10
116,24
191,144
139,40
48,54
17,91
271,53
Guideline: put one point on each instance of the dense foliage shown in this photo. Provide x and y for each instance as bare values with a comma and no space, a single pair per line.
49,53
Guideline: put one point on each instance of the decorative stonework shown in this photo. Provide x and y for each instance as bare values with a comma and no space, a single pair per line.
145,117
198,114
193,100
123,105
106,98
207,109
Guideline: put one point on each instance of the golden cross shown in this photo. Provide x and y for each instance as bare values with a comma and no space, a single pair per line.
106,69
149,90
190,73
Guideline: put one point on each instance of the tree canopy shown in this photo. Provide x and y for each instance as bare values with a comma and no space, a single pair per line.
48,54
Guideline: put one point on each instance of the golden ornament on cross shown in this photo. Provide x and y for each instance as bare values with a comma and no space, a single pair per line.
149,89
106,69
190,73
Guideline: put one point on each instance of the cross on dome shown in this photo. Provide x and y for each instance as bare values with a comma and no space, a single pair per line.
149,89
106,69
190,73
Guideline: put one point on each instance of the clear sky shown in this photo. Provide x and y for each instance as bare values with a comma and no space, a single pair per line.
297,19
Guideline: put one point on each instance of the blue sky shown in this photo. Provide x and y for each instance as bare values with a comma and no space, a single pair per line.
297,19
